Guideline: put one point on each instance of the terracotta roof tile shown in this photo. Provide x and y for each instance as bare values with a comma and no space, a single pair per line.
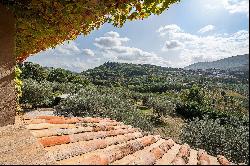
48,117
168,157
223,161
56,140
100,134
68,131
104,141
60,131
146,156
49,126
64,151
112,153
193,157
203,158
131,157
35,121
213,160
182,156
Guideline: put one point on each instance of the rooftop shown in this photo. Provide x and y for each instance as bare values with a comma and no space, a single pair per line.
90,141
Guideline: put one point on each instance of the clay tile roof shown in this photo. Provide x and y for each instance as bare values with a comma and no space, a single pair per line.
99,141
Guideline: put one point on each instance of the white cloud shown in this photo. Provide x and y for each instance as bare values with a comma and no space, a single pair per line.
237,6
88,52
180,49
163,30
112,48
67,48
205,48
232,6
207,28
109,40
172,45
112,34
68,56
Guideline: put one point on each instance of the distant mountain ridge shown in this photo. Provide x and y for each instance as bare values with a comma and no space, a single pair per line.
235,63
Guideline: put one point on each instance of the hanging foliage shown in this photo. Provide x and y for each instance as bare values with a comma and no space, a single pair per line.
43,24
18,88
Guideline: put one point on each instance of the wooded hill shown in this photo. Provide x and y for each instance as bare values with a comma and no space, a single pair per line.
235,63
206,109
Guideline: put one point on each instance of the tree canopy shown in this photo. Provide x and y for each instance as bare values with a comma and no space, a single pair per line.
42,24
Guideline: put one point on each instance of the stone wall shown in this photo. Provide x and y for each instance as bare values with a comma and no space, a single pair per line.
7,63
20,147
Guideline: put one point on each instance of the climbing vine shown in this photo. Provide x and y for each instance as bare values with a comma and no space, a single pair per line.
43,24
18,87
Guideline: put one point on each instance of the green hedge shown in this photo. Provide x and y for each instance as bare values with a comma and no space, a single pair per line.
231,141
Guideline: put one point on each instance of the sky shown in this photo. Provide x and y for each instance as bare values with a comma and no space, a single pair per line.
188,32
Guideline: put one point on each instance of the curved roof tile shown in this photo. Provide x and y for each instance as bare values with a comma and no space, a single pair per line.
104,141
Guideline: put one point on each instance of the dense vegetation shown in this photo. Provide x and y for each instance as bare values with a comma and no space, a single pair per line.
45,23
207,109
230,140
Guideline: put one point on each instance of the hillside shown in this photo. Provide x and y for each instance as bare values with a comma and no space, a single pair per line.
151,78
173,103
235,63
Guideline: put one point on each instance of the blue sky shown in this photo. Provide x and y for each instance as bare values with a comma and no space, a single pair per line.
190,31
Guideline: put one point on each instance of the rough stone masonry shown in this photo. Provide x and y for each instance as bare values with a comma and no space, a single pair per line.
7,64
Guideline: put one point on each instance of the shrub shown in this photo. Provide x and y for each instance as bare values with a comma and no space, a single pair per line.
38,94
195,103
42,93
58,75
231,141
192,110
108,102
33,71
161,104
68,87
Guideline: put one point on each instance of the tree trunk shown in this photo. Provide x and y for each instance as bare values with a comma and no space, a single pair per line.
7,64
